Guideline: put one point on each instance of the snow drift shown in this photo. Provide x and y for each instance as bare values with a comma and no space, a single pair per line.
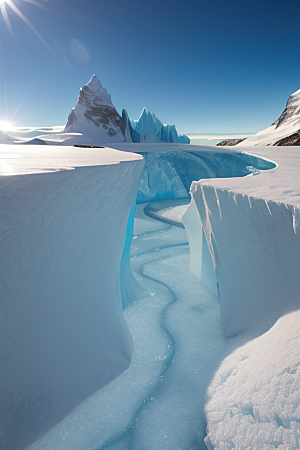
254,399
62,334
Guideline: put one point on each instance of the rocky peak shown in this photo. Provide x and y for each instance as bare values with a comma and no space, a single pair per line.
95,114
291,112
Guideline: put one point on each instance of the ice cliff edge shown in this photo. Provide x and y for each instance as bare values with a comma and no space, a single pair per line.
62,333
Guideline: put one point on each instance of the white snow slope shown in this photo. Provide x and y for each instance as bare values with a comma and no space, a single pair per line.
288,123
251,226
62,333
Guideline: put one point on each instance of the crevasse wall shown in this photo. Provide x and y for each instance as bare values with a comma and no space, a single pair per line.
201,263
255,247
169,174
62,333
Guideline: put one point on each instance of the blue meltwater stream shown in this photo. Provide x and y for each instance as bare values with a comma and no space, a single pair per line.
159,401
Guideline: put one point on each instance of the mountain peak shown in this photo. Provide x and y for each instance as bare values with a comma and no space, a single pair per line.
95,88
94,84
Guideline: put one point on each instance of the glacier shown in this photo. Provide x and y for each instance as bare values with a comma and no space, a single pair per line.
215,362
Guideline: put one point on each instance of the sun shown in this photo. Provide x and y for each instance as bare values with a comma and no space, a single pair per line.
4,125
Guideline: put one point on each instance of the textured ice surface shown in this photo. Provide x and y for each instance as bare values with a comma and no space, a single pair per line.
174,418
256,254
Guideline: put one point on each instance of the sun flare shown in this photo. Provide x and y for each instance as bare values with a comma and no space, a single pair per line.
4,125
8,6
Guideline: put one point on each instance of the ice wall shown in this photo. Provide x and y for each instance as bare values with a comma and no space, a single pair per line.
169,174
201,263
255,247
62,333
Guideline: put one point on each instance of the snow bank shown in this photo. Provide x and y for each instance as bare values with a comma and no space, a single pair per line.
251,226
256,253
62,333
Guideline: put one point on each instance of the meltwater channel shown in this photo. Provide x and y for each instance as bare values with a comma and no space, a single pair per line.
178,344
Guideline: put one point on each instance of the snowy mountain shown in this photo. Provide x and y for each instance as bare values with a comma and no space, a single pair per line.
95,115
287,125
151,129
96,118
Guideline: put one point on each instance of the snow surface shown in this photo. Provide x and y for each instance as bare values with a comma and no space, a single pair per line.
28,159
287,124
172,214
62,333
254,399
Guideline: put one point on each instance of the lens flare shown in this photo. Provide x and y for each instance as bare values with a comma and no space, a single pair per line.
7,6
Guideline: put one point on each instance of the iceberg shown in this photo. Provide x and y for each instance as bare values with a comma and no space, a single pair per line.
150,129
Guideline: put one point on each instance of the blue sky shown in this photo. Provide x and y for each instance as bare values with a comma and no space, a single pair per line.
207,66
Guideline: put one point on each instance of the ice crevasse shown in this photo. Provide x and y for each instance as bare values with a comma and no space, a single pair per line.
63,237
